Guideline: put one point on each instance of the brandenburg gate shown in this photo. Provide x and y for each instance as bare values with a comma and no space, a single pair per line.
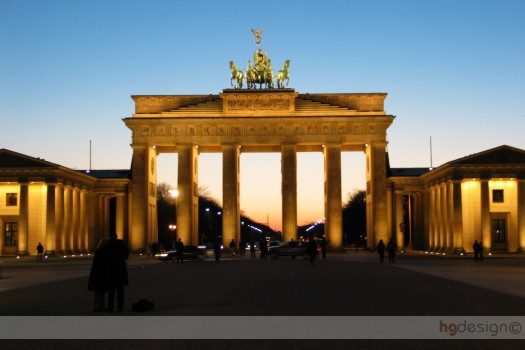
256,119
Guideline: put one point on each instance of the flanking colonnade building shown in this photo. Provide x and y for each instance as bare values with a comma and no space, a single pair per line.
479,197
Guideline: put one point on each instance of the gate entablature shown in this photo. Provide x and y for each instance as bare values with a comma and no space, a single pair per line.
283,102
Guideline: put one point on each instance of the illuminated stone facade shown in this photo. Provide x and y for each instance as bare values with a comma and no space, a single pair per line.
68,211
480,197
236,121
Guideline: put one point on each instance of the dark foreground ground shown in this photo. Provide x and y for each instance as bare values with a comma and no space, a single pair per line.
341,285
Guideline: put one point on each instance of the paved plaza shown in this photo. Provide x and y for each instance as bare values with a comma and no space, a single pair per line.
352,284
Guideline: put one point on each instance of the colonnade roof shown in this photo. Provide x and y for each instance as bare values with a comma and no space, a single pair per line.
499,162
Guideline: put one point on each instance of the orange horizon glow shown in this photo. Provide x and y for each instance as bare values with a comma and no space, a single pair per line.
260,182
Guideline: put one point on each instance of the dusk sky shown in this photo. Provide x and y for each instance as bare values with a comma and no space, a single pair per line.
453,70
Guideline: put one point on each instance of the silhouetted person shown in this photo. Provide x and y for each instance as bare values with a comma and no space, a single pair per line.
480,251
263,247
217,250
232,246
477,249
381,250
252,250
391,247
40,251
116,254
179,248
98,278
242,248
323,244
154,249
311,249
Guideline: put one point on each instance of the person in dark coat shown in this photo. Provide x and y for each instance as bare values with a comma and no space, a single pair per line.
323,244
381,250
179,248
252,249
40,251
97,277
242,247
391,247
217,250
116,253
263,248
477,249
311,249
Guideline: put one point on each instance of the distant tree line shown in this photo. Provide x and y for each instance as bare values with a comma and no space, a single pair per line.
210,220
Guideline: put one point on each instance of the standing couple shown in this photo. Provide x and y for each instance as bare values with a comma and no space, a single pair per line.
109,274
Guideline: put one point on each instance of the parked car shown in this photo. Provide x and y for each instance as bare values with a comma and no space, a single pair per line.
191,252
292,248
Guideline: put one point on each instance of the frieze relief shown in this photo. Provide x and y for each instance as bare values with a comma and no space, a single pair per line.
258,104
311,129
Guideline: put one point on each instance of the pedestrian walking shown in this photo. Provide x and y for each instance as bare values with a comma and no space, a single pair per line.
179,251
323,244
252,250
477,249
242,248
391,248
311,249
232,246
217,250
263,247
381,250
40,251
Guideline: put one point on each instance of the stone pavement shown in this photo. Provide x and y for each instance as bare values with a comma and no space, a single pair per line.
343,284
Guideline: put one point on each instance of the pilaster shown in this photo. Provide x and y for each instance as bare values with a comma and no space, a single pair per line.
23,220
231,219
188,199
289,190
376,194
485,215
51,204
333,203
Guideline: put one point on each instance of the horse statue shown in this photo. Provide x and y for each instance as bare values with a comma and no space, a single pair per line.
235,75
250,76
282,75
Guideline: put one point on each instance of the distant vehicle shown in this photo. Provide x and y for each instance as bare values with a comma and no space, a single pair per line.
191,252
292,248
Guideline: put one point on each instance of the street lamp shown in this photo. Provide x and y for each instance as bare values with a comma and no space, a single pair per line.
172,228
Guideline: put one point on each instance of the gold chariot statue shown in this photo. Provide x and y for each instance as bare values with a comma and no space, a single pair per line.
261,72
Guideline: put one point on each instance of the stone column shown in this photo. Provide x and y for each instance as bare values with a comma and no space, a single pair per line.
23,220
376,200
75,227
444,216
188,199
398,203
231,219
457,220
521,215
83,230
121,210
59,218
289,190
432,218
144,194
332,196
485,215
50,242
68,215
